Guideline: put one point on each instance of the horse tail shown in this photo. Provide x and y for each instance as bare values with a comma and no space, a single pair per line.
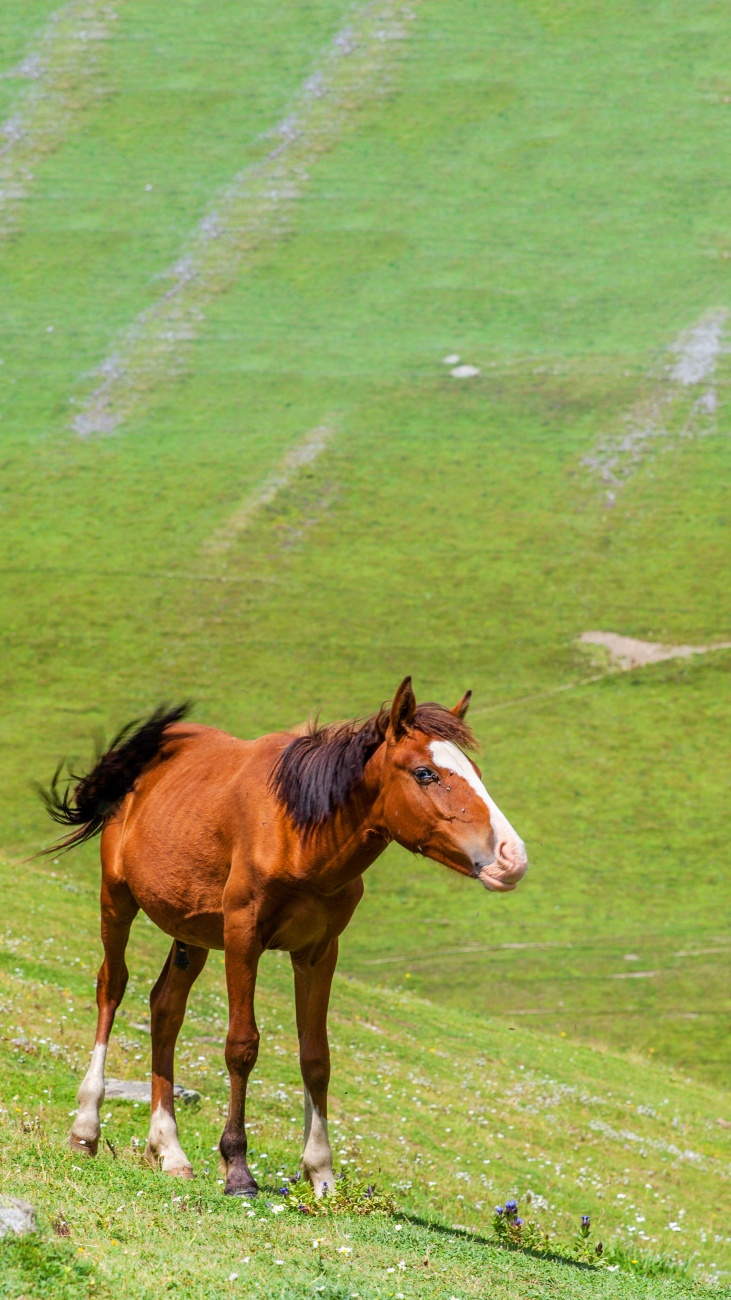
87,804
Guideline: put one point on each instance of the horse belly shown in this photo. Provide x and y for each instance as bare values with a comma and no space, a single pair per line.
179,883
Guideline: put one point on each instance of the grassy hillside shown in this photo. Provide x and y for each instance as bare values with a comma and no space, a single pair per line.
448,1113
523,197
539,189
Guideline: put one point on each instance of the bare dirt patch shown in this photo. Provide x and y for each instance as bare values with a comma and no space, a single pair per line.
626,652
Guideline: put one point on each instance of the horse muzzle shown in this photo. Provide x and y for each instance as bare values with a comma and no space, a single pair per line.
501,873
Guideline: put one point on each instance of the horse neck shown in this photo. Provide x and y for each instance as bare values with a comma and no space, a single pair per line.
353,837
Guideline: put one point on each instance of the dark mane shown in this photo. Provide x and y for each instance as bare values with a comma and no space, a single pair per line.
318,771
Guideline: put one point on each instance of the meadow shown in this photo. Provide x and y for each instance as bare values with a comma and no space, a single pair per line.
446,1112
250,227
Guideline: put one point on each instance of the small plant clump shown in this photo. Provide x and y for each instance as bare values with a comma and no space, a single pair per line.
347,1195
521,1234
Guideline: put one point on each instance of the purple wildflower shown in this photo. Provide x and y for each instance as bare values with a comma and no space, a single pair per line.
284,1191
499,1210
518,1223
511,1207
585,1221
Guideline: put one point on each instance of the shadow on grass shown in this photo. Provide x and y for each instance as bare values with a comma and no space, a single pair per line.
646,1266
466,1234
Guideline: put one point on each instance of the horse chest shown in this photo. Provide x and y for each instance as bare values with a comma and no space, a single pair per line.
301,922
294,925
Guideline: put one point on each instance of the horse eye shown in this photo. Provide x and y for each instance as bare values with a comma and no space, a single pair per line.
424,775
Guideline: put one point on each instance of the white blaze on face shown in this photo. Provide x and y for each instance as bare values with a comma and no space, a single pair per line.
448,755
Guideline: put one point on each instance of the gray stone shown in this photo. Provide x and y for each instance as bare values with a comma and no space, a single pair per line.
16,1216
139,1090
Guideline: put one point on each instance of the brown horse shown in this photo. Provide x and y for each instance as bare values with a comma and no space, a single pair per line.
246,845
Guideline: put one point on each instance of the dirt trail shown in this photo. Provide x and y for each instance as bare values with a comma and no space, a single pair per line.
696,352
254,210
62,72
304,453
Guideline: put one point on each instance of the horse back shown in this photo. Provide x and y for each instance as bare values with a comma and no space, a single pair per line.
202,806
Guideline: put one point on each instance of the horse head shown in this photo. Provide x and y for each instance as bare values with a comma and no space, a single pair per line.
432,799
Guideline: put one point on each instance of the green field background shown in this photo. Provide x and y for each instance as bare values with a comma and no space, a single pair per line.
544,191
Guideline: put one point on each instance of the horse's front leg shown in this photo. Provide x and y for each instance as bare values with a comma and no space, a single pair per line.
312,981
242,1048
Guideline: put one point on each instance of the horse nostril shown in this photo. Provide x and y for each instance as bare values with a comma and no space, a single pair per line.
509,855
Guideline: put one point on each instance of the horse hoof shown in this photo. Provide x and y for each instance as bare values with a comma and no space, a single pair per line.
83,1146
181,1171
251,1191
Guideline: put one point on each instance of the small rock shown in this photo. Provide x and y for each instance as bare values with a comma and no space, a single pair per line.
25,1043
140,1090
16,1216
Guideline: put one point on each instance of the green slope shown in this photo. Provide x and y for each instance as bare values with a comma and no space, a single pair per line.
542,190
544,194
449,1113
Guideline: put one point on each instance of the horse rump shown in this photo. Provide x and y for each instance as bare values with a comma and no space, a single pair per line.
88,801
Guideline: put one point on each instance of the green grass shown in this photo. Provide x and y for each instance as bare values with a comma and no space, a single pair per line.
543,191
446,1113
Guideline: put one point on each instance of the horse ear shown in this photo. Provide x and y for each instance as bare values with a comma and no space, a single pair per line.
403,708
460,709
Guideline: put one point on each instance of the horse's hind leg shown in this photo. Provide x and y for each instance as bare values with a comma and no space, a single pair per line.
167,1011
312,994
118,911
